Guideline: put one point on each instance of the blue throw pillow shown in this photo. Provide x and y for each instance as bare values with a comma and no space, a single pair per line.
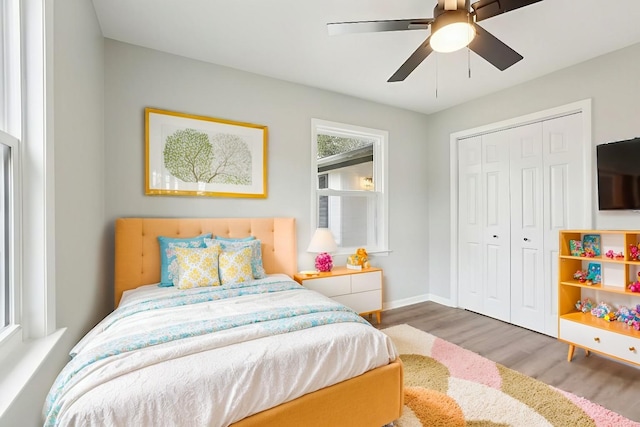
235,239
168,263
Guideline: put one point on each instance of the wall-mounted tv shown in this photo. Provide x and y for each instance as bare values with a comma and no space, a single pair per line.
619,175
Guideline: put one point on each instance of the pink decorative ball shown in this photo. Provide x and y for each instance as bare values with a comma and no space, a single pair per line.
324,262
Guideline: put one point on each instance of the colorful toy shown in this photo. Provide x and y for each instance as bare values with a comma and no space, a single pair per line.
601,310
585,305
609,254
626,315
634,252
580,275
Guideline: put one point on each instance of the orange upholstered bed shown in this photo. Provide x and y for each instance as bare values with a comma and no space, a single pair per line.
374,398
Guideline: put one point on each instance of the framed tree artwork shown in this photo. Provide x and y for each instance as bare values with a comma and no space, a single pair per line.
188,155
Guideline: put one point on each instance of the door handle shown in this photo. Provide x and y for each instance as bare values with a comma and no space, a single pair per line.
526,240
495,236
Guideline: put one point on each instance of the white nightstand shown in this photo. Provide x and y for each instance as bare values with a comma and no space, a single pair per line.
360,290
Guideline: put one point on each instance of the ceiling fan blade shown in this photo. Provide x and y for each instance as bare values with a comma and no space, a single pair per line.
336,28
493,50
484,9
412,62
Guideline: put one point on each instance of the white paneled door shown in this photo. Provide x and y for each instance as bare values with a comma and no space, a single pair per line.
517,188
470,224
527,280
496,225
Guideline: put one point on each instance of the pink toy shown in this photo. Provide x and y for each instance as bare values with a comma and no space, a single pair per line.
609,254
635,286
634,253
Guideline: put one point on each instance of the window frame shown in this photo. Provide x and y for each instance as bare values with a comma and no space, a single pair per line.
13,238
380,168
27,115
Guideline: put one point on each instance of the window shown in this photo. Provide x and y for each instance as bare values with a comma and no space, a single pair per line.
349,182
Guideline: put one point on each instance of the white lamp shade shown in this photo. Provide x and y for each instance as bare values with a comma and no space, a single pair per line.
322,241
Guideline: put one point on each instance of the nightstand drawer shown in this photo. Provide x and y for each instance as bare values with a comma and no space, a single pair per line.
329,286
362,302
366,281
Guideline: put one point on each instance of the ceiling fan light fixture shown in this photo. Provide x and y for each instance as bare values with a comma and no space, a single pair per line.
451,31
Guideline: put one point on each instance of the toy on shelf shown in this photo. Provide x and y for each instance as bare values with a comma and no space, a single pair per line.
576,247
635,286
612,255
629,316
602,310
625,314
634,252
591,245
585,305
594,273
580,276
359,260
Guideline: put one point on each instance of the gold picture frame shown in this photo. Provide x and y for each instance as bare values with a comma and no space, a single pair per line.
190,155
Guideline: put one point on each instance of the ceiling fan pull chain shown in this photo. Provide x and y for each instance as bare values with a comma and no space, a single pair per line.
436,76
468,48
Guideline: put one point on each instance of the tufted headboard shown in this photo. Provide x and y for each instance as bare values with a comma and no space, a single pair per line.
137,251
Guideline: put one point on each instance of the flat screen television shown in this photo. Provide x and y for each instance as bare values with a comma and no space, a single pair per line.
619,175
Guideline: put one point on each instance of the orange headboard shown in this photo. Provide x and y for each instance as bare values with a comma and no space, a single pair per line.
137,257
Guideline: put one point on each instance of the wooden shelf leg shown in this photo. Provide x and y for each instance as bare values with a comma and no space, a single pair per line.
587,352
379,316
572,348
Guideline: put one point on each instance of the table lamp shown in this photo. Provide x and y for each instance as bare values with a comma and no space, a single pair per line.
322,243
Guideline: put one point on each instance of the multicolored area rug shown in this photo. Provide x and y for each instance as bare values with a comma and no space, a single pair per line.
446,385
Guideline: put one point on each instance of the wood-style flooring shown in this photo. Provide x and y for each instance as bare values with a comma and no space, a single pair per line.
612,384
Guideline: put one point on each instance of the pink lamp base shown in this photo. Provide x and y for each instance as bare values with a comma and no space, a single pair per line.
324,262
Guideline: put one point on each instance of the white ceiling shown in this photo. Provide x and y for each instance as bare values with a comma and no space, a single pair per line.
287,39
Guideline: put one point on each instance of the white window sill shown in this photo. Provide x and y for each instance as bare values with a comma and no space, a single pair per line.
21,363
378,252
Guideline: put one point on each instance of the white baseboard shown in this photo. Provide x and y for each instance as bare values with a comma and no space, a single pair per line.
390,305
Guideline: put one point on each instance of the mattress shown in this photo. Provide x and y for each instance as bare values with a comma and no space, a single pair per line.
211,356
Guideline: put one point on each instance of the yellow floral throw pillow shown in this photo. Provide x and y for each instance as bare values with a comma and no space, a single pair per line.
235,266
198,267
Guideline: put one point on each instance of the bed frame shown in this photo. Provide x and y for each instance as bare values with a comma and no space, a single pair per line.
374,398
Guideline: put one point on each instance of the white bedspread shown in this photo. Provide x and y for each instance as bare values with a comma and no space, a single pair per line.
212,362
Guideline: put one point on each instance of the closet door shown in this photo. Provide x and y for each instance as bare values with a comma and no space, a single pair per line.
470,224
565,205
496,229
527,228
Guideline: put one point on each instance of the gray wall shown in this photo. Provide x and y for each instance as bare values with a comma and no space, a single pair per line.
611,81
136,78
81,284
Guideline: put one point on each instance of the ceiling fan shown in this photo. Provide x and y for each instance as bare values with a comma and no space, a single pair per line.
454,25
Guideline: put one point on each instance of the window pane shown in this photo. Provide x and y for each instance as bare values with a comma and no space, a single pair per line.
352,219
346,162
